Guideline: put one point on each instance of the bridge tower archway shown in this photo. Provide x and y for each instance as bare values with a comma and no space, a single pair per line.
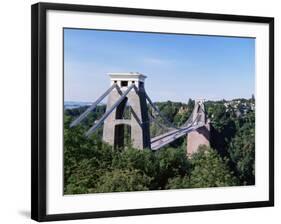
201,135
116,123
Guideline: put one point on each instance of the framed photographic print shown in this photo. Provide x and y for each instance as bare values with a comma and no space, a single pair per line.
139,111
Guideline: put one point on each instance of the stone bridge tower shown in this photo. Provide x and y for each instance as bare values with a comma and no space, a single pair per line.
138,121
200,136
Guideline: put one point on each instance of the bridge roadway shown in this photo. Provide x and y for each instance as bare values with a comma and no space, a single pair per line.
166,138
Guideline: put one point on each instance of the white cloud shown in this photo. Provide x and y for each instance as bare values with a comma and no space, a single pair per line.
157,61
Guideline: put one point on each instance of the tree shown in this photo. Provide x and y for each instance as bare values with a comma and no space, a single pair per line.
178,182
91,165
172,162
135,159
210,170
242,150
119,180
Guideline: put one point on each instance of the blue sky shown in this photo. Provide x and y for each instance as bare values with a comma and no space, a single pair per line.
178,67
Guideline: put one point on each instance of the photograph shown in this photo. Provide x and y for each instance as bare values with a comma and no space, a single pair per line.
145,111
153,111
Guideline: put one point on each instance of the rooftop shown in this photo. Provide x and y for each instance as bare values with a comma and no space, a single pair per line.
127,76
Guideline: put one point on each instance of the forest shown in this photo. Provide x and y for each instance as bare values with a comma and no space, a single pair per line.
92,166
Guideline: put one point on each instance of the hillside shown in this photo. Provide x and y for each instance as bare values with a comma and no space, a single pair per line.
90,165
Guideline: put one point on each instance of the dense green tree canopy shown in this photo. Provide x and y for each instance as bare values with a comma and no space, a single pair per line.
92,166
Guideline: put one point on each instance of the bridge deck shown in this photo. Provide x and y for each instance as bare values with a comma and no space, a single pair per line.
164,139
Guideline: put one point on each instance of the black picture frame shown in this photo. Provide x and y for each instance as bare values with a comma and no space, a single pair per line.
38,108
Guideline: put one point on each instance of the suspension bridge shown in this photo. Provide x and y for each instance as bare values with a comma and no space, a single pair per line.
128,89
